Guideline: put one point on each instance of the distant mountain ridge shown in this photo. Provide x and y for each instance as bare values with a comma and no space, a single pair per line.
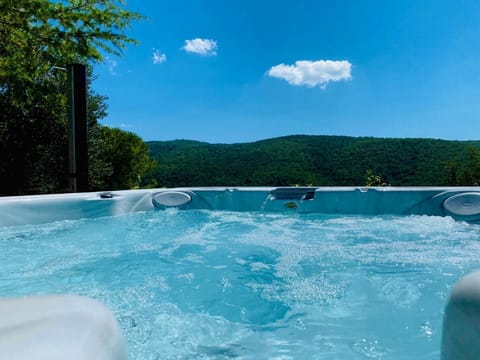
308,160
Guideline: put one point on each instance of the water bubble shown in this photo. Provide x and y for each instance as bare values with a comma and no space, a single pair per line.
426,329
371,349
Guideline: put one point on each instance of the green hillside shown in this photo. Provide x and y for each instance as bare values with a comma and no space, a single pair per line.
315,160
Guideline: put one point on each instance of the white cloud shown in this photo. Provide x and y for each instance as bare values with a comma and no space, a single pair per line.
158,58
312,73
111,65
120,126
206,47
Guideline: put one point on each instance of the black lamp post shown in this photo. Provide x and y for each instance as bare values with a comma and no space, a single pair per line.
77,127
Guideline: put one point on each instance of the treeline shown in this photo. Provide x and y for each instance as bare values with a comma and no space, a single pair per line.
318,161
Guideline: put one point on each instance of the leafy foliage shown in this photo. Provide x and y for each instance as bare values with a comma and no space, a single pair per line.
465,172
315,160
374,180
119,159
37,39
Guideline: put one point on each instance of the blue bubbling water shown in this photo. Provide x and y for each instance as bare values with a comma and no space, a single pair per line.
236,285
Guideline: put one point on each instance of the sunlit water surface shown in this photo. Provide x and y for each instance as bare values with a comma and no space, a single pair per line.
237,285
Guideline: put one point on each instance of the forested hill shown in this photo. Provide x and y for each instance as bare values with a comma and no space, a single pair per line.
315,160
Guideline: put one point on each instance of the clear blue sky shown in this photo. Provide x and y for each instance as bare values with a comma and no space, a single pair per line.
226,71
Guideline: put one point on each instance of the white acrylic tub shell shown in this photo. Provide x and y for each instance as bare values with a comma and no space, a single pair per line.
461,203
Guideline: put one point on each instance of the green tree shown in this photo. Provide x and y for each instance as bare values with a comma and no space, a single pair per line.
120,159
37,37
372,179
465,173
38,34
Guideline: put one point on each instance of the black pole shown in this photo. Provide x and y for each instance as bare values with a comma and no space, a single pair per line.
77,127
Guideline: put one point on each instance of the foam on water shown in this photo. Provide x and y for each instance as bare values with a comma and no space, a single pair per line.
221,285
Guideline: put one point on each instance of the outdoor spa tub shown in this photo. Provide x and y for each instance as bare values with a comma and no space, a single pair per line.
245,273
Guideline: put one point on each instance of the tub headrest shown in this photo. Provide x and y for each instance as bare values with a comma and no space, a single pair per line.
464,206
169,199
